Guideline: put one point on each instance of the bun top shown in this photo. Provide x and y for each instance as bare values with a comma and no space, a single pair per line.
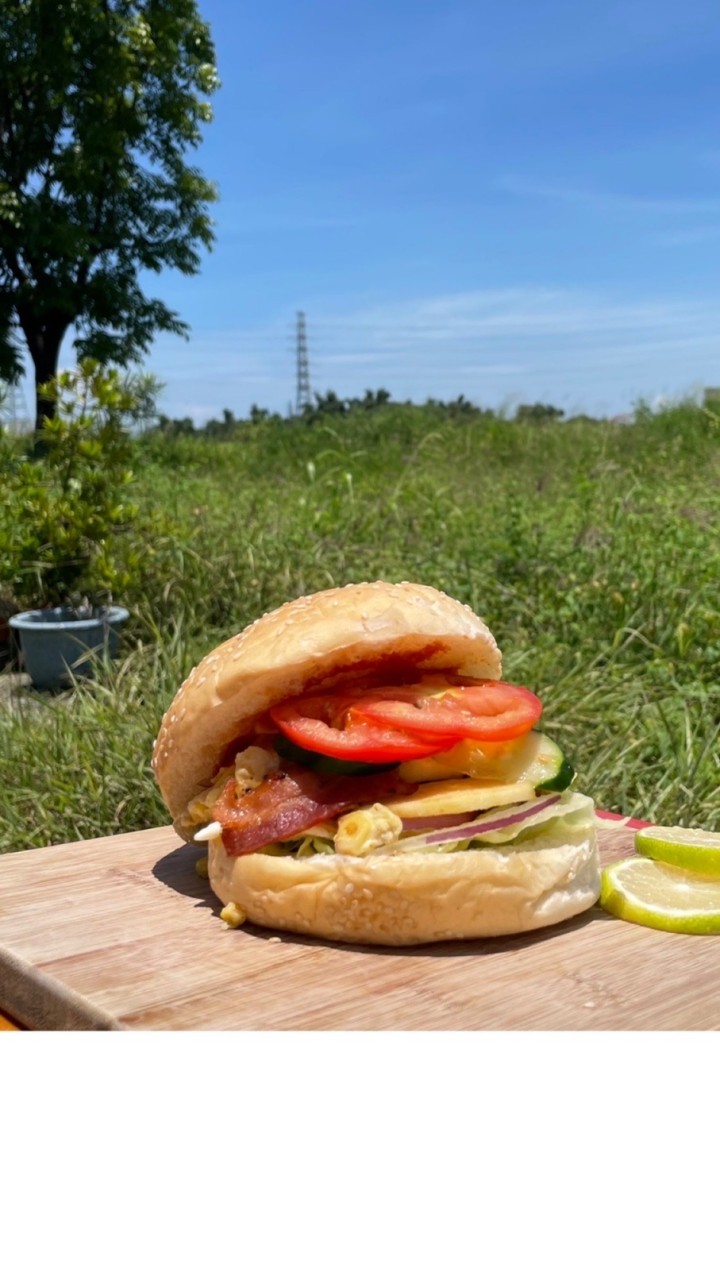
313,642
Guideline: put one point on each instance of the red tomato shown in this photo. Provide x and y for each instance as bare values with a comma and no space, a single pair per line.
486,711
326,723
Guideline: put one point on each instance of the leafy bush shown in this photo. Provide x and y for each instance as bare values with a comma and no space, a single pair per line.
66,506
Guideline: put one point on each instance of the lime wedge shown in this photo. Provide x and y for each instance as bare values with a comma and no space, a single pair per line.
686,847
661,897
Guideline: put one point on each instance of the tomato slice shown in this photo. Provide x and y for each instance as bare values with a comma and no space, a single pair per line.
326,723
486,710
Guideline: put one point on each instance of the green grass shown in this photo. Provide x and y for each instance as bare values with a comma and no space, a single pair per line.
592,552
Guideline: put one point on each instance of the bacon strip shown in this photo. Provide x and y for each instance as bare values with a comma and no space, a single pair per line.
293,798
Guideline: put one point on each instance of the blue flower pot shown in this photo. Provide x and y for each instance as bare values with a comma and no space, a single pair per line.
58,647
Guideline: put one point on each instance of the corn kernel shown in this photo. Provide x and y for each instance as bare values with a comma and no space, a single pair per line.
361,832
201,867
232,916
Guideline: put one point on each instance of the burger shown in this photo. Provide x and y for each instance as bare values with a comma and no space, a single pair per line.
360,772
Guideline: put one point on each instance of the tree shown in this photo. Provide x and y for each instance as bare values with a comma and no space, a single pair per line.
99,102
173,427
538,413
221,428
329,404
258,414
372,400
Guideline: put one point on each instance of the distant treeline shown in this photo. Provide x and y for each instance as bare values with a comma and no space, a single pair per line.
330,405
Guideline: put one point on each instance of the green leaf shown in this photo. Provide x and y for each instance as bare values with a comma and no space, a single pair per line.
102,101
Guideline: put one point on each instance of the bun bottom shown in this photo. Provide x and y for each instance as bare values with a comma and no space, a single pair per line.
408,899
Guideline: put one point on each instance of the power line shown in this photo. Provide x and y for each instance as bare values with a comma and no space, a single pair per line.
303,394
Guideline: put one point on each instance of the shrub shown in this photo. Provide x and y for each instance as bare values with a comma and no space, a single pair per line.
65,506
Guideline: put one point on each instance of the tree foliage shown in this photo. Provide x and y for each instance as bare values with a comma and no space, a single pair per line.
100,101
59,521
331,405
538,412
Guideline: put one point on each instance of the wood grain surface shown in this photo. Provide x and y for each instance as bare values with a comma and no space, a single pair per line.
120,933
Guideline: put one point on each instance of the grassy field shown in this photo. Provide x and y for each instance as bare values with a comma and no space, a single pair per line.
592,551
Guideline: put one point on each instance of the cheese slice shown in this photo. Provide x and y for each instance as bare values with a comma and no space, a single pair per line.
460,795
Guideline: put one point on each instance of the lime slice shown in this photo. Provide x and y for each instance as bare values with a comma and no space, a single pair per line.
687,847
661,897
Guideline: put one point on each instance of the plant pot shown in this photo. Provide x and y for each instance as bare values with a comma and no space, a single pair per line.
58,646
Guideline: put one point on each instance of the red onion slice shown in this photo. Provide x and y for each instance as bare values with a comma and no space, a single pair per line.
478,826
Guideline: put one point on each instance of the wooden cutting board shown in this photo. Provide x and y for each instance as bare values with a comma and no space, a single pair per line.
120,933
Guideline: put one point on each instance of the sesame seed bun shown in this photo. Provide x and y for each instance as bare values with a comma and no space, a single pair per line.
412,898
312,642
398,899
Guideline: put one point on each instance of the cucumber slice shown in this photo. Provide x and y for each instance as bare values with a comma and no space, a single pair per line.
547,768
533,759
324,764
563,779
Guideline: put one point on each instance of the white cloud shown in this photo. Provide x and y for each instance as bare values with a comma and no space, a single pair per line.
575,348
609,201
580,350
686,236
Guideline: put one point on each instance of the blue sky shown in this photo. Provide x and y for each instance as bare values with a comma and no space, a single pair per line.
516,201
